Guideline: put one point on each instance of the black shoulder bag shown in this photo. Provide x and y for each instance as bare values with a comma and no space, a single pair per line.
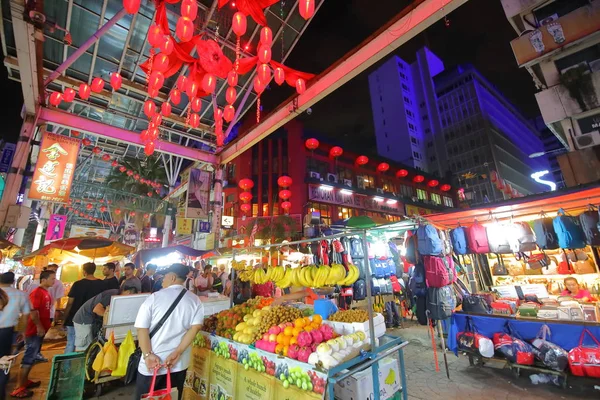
134,359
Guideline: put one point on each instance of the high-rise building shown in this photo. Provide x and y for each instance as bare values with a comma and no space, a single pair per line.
559,44
552,148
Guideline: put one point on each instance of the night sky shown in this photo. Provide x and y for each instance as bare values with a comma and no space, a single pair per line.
478,34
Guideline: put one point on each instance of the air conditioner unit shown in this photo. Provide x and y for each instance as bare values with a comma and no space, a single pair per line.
348,182
588,139
379,190
332,178
315,175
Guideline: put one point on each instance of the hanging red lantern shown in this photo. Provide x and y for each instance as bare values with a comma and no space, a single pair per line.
259,87
230,95
184,29
152,134
182,82
194,120
279,76
160,62
192,88
507,188
209,82
228,113
84,91
132,213
311,143
149,194
149,108
232,78
284,181
239,24
97,85
152,92
75,133
105,157
245,196
156,80
218,115
286,205
146,216
175,96
116,80
383,167
264,73
266,36
264,54
89,206
493,176
246,184
306,8
144,135
196,104
189,9
500,184
131,6
165,109
97,150
362,160
136,177
114,163
122,169
336,151
245,207
402,173
418,178
103,209
129,172
56,98
69,95
285,194
433,183
155,35
167,45
86,142
300,85
157,119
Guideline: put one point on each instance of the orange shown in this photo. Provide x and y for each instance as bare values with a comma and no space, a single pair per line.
308,328
296,331
293,341
280,338
288,331
315,325
300,323
285,350
279,348
317,318
287,340
306,321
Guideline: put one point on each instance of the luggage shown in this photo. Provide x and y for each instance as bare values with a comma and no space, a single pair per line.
521,237
439,271
497,236
473,342
515,350
568,230
550,354
589,223
545,237
458,237
477,239
476,305
440,303
585,360
428,241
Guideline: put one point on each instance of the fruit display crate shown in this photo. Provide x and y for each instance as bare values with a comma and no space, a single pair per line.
346,328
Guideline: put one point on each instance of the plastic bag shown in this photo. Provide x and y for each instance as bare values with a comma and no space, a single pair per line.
98,361
126,349
470,340
111,355
550,354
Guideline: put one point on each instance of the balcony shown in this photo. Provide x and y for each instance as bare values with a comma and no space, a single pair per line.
565,30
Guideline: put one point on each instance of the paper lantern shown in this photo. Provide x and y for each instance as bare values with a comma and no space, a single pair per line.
433,183
103,209
230,95
246,184
160,62
194,120
156,80
157,119
508,188
165,109
279,76
167,45
89,206
175,96
182,82
132,213
286,205
97,150
84,91
218,115
232,78
114,163
152,92
116,80
500,184
245,207
86,142
192,88
311,143
336,151
69,95
402,173
97,85
196,104
264,73
306,8
131,6
266,36
300,86
259,87
129,172
264,54
382,167
149,148
184,29
228,113
149,108
418,178
239,24
149,194
493,176
146,216
105,157
285,194
122,168
362,160
56,98
284,181
189,9
155,35
209,83
245,196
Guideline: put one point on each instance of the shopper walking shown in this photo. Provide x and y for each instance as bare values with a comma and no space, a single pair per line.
204,282
167,323
37,325
110,280
80,292
147,279
130,279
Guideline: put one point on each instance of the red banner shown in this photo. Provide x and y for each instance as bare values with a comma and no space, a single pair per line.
54,169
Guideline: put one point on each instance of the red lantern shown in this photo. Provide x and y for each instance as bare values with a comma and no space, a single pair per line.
149,108
167,45
259,87
336,151
196,104
165,109
182,82
285,194
209,83
189,9
155,35
149,148
194,120
239,24
508,188
184,29
300,85
97,85
500,184
175,96
311,143
157,119
266,36
114,163
245,196
156,80
86,142
191,88
122,168
306,8
152,134
383,167
116,80
264,54
245,207
152,92
132,213
418,178
105,157
286,205
493,176
362,160
279,76
69,95
246,184
232,78
129,172
149,194
284,181
433,183
146,216
218,115
103,209
230,95
228,113
160,62
402,173
136,177
76,133
132,6
97,150
56,98
89,206
264,73
84,91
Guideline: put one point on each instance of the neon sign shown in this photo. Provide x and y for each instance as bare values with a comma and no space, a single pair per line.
537,176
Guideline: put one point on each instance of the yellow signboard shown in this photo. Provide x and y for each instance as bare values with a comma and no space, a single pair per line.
184,226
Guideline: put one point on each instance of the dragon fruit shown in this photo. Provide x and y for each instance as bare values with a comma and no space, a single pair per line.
314,346
293,351
304,339
327,332
303,354
317,336
260,344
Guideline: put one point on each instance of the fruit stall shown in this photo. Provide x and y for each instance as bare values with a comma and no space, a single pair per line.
263,350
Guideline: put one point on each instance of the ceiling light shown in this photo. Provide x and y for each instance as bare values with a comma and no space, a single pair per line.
326,187
346,191
390,201
378,199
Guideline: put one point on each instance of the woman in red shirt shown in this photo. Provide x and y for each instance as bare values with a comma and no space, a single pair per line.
573,290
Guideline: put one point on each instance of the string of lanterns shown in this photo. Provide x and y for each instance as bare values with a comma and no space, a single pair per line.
89,206
285,182
246,185
504,186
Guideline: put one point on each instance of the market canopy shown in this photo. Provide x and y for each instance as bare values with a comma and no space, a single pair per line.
145,256
9,249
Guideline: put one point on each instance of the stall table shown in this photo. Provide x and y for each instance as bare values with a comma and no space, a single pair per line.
213,305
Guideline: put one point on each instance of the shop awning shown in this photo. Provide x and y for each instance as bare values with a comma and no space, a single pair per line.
572,200
9,249
145,256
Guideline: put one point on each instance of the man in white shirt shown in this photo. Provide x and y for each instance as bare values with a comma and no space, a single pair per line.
170,345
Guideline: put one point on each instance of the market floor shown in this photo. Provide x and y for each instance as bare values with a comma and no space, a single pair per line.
488,382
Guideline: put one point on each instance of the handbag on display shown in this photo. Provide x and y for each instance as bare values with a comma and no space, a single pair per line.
584,267
169,393
471,341
550,354
585,360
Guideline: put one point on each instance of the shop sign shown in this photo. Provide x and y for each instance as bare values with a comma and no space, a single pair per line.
80,230
203,226
589,124
295,226
184,226
415,210
222,378
198,193
130,236
7,155
352,200
54,170
227,221
56,227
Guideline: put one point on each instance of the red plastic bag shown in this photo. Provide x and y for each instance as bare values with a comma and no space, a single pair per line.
163,394
585,361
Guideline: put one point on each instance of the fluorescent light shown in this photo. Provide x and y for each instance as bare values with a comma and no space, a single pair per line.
378,199
326,187
391,201
346,191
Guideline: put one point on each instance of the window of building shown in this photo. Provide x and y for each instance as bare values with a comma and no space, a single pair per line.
429,144
414,140
448,201
384,122
230,198
400,65
582,57
409,113
345,213
255,210
405,87
432,158
425,117
421,194
407,191
427,130
443,122
461,97
422,104
411,126
558,9
324,209
389,185
436,198
368,181
416,155
344,173
402,75
231,171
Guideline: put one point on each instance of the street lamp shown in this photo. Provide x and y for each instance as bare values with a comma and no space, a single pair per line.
543,153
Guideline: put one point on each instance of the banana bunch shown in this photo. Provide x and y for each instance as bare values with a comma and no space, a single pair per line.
260,276
246,275
276,273
286,280
322,275
351,277
238,265
305,276
338,272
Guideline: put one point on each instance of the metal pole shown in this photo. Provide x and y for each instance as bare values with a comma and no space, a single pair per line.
368,285
217,204
233,273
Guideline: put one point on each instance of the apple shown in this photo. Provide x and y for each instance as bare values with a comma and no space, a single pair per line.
272,338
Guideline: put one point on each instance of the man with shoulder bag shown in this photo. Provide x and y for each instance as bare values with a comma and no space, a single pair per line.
166,324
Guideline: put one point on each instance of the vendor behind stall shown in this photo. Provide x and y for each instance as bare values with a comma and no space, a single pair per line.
573,290
204,282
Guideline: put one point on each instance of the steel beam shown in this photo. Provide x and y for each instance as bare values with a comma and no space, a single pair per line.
65,119
398,31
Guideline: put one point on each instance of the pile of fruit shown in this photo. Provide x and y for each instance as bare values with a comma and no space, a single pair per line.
337,350
275,316
245,331
349,316
317,277
302,379
224,323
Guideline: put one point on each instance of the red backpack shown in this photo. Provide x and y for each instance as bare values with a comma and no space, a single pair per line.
439,271
477,239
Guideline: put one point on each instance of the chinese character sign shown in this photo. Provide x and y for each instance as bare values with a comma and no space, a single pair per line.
56,227
54,169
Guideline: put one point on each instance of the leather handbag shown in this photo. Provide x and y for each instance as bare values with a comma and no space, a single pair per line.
136,356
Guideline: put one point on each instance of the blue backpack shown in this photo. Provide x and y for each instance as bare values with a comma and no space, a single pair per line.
429,242
568,231
416,283
458,237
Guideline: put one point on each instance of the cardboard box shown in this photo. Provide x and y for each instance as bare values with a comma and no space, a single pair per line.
360,385
346,328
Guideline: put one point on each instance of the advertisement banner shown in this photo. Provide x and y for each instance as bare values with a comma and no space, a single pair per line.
8,151
53,173
414,210
130,235
319,194
184,226
293,393
198,376
80,230
254,385
56,227
198,194
223,374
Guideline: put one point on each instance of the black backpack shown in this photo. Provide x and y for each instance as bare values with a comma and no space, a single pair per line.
589,223
545,237
475,304
356,249
440,303
359,290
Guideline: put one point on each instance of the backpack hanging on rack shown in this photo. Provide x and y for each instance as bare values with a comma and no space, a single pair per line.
440,302
545,237
458,237
477,239
497,236
589,223
569,232
521,237
410,244
429,241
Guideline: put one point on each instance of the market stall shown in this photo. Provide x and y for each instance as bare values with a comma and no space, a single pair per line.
165,256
